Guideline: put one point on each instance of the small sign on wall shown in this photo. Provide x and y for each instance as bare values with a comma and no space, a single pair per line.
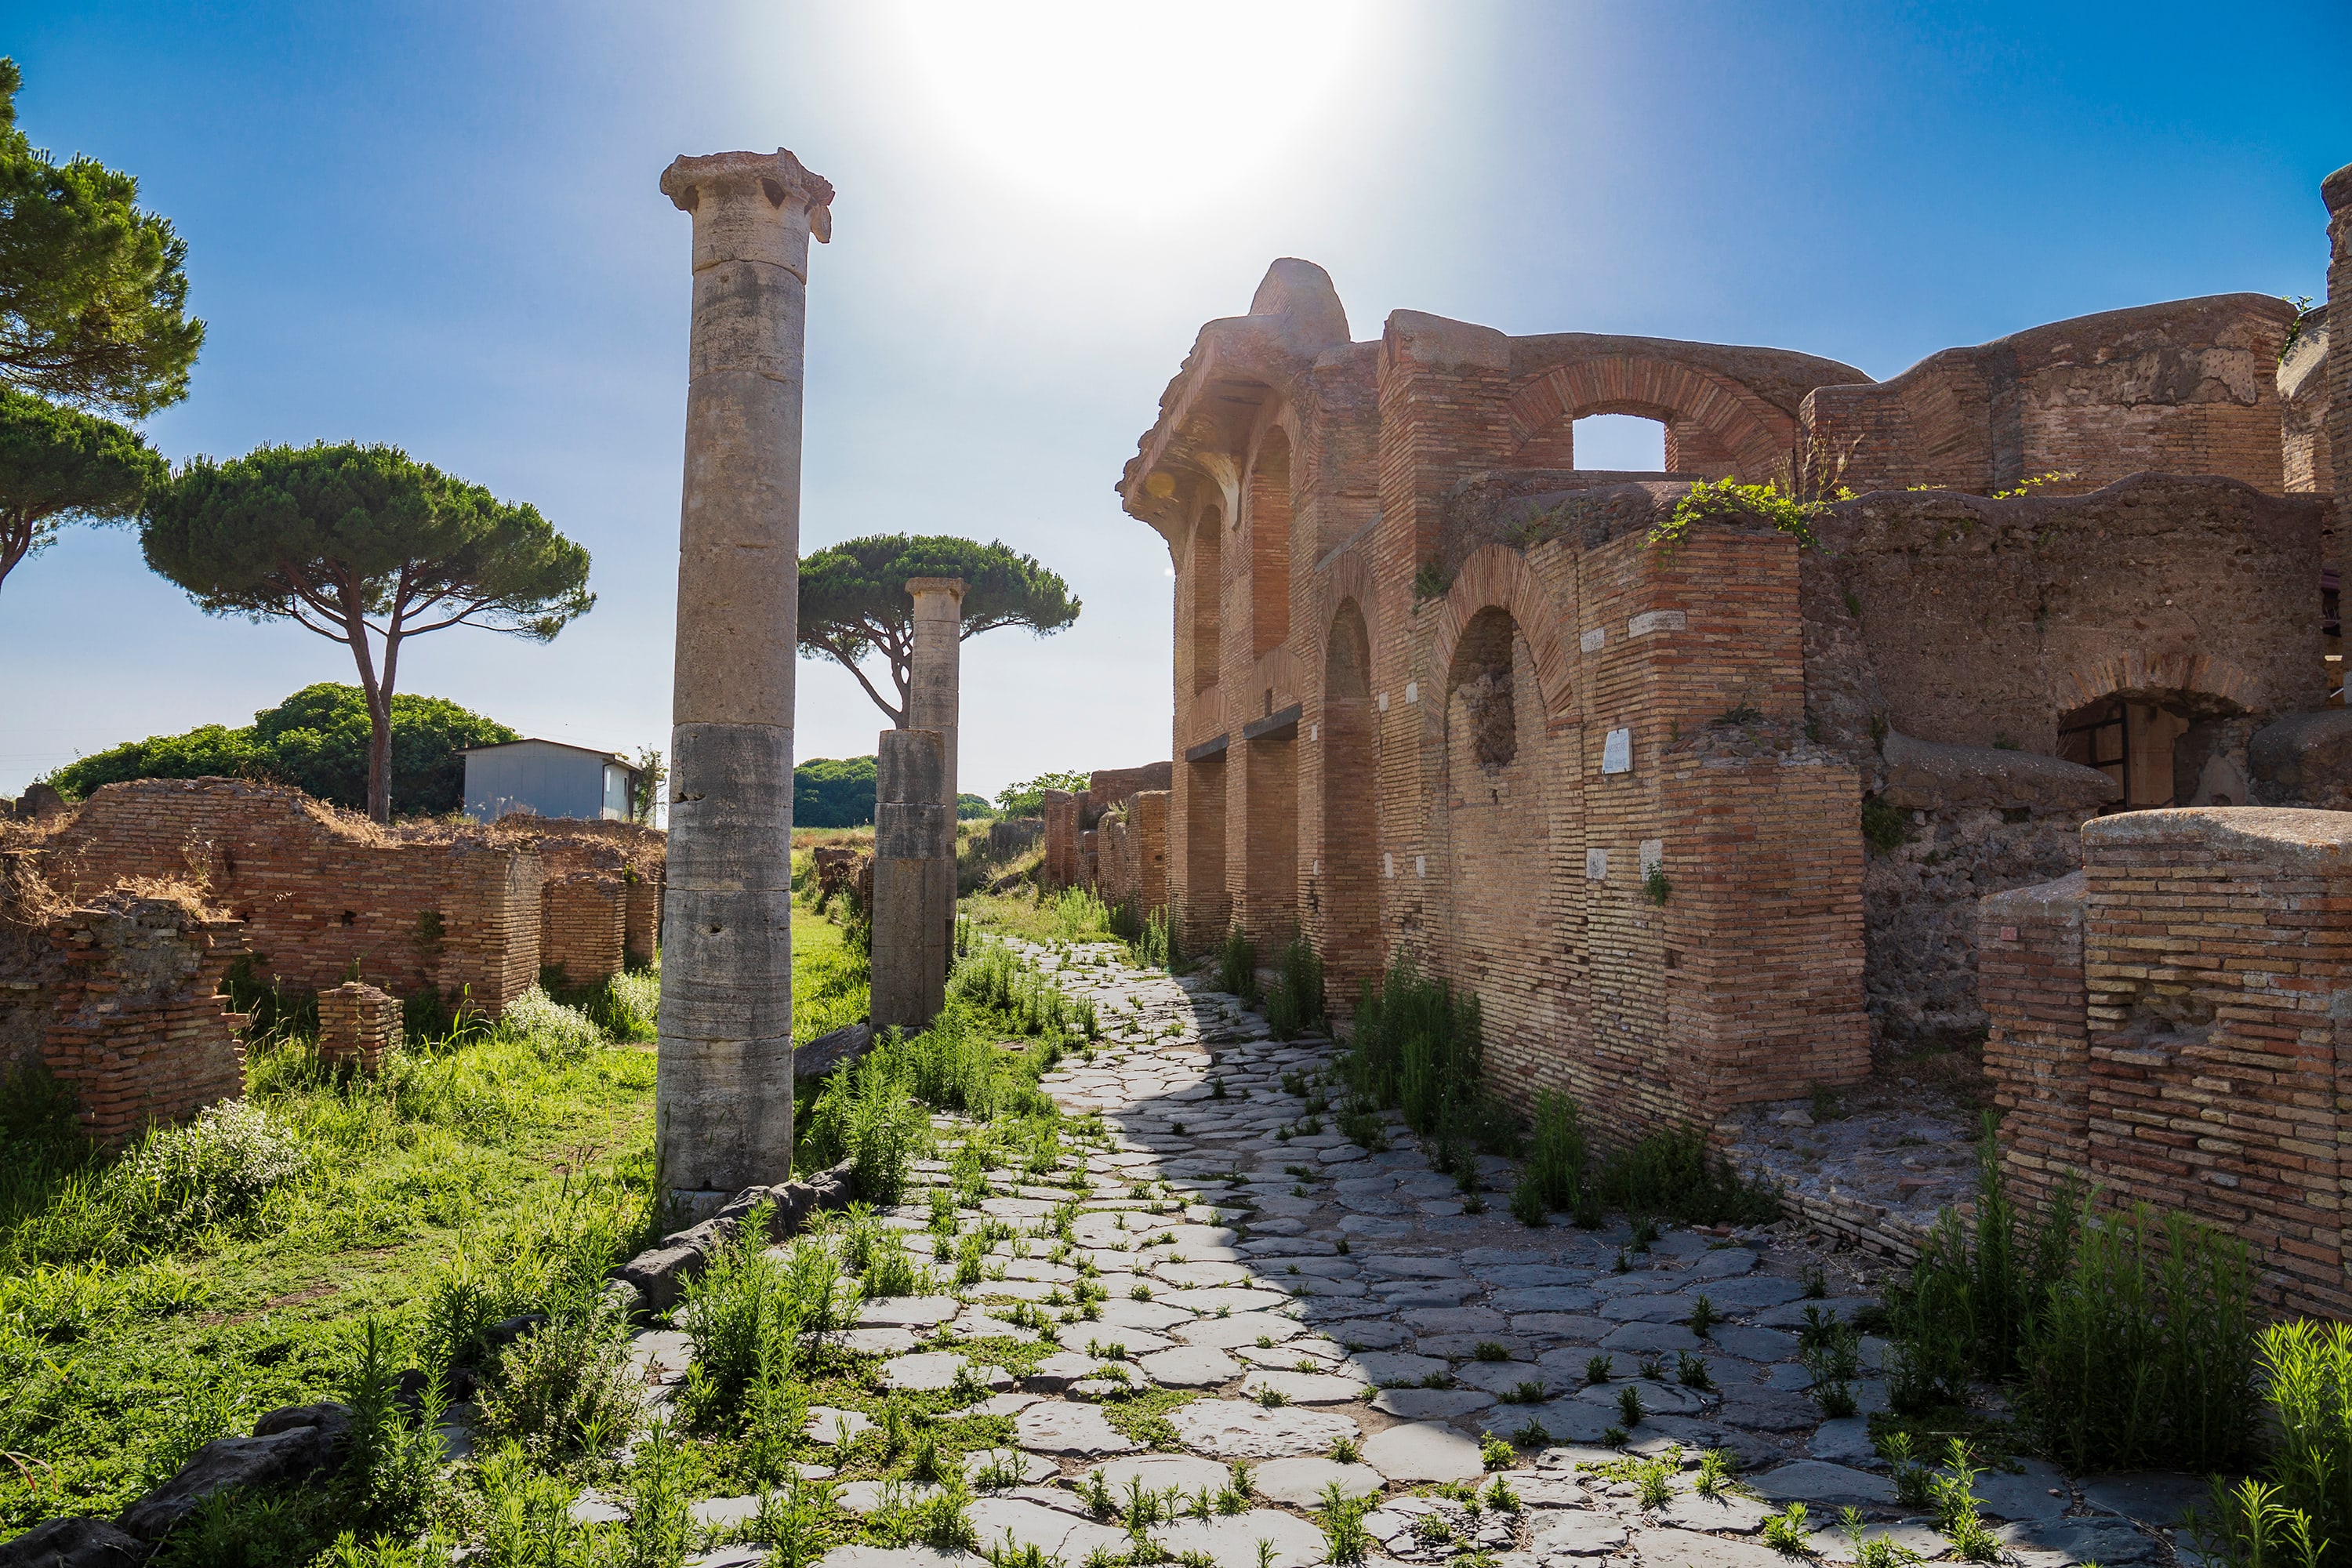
1653,856
1617,752
1596,865
1594,640
1649,621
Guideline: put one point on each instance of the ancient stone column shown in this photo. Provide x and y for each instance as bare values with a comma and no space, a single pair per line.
935,687
935,671
913,880
723,1089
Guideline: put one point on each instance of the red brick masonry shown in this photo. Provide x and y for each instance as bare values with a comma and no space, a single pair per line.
2172,1024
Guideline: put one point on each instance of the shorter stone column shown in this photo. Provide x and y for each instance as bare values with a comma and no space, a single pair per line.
913,911
935,687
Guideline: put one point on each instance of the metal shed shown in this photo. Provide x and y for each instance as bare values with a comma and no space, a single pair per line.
548,778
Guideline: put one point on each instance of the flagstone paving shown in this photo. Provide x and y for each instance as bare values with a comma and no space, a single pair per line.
1327,1313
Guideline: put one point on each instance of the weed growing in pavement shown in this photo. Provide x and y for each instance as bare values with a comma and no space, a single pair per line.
1630,1409
1295,1002
1717,1468
1497,1454
1872,1550
1691,1371
1788,1532
1238,966
1342,1518
2133,1333
1418,1049
1554,1177
1599,1368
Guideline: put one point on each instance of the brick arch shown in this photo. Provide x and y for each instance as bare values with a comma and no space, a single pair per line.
1349,577
1758,436
2176,671
1496,576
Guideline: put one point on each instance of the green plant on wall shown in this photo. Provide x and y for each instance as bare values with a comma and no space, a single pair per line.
1727,498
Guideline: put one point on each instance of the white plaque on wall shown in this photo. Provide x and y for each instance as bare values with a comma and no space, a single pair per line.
1653,856
1649,621
1594,640
1596,865
1617,752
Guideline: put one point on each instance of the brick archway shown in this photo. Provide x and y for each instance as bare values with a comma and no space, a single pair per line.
1496,576
2138,671
1702,406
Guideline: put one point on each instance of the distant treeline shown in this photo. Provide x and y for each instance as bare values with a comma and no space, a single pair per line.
830,792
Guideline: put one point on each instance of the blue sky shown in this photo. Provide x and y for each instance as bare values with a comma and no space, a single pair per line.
439,226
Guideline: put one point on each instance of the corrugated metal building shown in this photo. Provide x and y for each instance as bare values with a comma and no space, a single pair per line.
548,778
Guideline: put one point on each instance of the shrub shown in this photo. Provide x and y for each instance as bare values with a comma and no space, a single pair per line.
745,1315
634,999
1554,1178
1238,966
2133,1332
556,1032
2307,1383
1295,1004
1418,1049
1672,1174
563,1390
220,1166
866,1115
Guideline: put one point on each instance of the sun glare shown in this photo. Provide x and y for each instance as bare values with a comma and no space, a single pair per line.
1125,106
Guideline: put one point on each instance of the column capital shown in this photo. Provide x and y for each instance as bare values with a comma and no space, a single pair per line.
918,586
777,177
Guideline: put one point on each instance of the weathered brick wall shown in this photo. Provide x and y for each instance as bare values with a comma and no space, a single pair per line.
2335,191
1063,810
1335,777
2216,972
642,924
118,997
584,926
2030,976
321,892
1106,787
358,1024
2188,386
1958,618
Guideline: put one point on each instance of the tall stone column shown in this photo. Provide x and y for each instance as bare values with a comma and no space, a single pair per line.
935,690
913,880
723,1087
935,669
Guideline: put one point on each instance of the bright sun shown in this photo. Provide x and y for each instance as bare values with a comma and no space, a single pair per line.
1125,106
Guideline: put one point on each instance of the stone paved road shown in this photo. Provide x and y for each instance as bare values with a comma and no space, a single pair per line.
1343,1316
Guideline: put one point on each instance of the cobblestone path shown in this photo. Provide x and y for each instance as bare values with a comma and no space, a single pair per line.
1322,1314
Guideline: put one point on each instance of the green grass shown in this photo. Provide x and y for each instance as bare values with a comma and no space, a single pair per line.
830,978
133,1329
1075,914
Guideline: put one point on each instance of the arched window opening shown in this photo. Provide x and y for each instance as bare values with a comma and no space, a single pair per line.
1625,442
2161,749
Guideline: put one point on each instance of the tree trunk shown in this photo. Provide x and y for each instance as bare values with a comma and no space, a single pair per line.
380,754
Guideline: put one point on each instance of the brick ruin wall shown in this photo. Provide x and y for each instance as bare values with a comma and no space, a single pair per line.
321,893
117,995
1098,837
2170,1024
2189,386
1981,624
583,927
626,862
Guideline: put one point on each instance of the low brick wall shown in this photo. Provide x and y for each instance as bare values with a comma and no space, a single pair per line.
2210,1062
358,1024
321,892
118,997
584,926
